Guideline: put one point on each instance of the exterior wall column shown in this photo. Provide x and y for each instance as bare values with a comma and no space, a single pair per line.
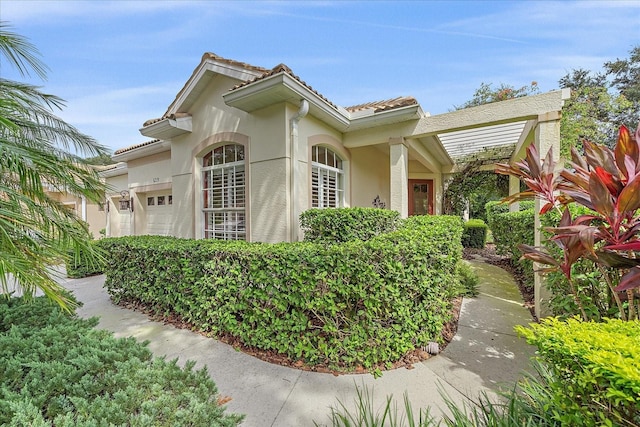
399,176
547,136
514,188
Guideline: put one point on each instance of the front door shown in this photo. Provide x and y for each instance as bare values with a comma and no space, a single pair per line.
420,197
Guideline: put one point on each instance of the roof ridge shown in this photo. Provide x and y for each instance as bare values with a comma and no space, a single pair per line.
385,104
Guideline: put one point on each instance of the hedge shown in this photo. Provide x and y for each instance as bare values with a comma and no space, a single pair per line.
511,229
57,370
475,234
595,367
359,303
346,224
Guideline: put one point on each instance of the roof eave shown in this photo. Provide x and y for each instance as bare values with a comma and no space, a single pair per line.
388,117
120,169
283,88
168,128
146,150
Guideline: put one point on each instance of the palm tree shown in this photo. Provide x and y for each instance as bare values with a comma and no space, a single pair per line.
36,231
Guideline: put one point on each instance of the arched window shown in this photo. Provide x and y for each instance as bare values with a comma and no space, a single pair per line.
327,178
223,188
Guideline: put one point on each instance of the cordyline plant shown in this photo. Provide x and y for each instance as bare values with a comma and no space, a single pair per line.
608,183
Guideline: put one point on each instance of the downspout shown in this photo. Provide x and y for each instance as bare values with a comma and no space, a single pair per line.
293,220
83,208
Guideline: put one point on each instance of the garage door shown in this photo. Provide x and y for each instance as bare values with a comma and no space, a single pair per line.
159,211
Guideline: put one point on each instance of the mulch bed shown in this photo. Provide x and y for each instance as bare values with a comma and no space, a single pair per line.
418,355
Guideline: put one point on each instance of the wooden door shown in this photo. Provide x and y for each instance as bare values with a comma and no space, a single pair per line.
420,197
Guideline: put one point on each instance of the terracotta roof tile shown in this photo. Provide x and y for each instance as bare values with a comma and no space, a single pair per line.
282,68
133,147
166,116
214,57
385,105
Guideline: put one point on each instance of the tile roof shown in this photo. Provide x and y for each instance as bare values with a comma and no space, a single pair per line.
377,106
282,68
385,105
166,116
133,147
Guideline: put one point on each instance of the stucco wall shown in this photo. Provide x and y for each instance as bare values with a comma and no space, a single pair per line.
369,175
154,169
269,201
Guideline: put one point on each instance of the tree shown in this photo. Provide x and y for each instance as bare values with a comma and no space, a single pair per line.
102,159
35,229
600,103
485,94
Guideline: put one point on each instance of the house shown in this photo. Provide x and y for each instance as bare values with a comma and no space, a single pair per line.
92,213
243,150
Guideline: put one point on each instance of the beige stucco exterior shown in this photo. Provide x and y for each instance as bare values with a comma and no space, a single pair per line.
278,119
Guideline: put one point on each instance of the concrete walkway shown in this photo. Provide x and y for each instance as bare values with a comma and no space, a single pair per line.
484,355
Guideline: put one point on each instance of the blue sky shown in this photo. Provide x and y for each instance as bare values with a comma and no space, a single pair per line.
119,63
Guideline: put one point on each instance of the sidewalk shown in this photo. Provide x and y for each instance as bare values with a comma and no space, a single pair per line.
484,355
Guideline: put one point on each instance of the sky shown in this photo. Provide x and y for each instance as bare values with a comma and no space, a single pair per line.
120,63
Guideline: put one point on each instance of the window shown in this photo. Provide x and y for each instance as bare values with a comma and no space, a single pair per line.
223,193
150,201
327,180
160,200
170,199
124,205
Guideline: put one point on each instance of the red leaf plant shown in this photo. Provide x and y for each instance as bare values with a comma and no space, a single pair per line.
605,181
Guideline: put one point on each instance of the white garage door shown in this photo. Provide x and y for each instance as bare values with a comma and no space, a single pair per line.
159,211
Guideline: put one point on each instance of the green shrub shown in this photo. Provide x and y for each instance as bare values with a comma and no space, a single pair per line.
346,224
81,264
475,234
469,280
510,229
56,369
595,370
360,303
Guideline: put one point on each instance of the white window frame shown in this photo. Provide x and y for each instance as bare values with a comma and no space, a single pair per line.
228,220
327,180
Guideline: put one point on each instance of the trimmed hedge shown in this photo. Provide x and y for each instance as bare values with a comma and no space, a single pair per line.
57,370
511,229
346,224
596,367
360,303
475,234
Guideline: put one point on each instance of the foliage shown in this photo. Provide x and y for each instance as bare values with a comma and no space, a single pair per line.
469,280
389,415
80,264
601,102
485,94
475,234
349,305
346,224
472,188
591,286
102,159
594,370
510,229
56,369
35,229
607,182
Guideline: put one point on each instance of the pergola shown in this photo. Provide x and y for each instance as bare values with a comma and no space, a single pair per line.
508,128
